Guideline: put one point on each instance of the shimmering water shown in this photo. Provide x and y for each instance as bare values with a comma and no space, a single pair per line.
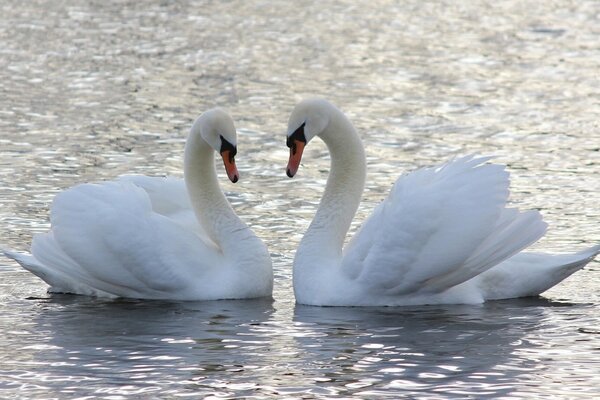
91,90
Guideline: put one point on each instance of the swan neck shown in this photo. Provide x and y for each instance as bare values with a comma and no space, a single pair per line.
343,190
210,205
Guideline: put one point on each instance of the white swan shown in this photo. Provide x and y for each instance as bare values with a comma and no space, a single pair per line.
443,235
138,237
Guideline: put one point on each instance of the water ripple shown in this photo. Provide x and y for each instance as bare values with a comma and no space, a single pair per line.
93,90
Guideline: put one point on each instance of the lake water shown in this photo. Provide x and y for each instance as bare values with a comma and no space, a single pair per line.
91,90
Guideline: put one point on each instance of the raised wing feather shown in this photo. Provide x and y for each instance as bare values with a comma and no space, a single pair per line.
439,227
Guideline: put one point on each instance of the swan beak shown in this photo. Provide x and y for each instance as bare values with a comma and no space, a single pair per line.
295,157
230,168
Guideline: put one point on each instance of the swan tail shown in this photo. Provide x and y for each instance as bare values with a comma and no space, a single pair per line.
27,261
49,275
530,274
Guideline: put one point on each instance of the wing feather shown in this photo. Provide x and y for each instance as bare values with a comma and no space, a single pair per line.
439,227
119,244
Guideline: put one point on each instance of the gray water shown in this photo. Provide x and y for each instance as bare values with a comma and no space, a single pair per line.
91,90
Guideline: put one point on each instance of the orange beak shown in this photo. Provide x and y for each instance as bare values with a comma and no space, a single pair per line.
230,168
296,150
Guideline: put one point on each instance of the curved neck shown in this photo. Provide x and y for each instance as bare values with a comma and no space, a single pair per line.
213,211
343,191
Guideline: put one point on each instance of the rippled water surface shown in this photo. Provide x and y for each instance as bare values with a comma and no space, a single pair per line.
91,90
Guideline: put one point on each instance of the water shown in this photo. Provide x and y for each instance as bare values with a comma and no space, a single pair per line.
92,90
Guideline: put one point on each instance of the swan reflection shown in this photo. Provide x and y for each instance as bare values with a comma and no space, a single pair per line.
428,349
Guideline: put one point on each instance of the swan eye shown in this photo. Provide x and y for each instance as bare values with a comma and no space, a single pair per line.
298,135
226,146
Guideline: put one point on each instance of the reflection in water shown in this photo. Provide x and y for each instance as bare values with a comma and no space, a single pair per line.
144,345
92,90
242,347
494,349
245,348
463,350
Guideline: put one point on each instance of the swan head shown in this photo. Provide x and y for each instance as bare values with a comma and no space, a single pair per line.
216,128
309,118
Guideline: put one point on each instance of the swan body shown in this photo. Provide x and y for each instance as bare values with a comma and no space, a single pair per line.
156,238
443,234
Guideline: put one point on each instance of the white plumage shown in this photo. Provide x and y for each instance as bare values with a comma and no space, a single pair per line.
443,234
155,238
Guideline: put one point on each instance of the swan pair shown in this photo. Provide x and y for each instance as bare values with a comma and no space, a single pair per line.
443,235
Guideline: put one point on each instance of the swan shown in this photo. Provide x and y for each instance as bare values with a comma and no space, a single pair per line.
156,238
443,234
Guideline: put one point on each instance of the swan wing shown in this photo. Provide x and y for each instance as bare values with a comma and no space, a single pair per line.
107,237
439,227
